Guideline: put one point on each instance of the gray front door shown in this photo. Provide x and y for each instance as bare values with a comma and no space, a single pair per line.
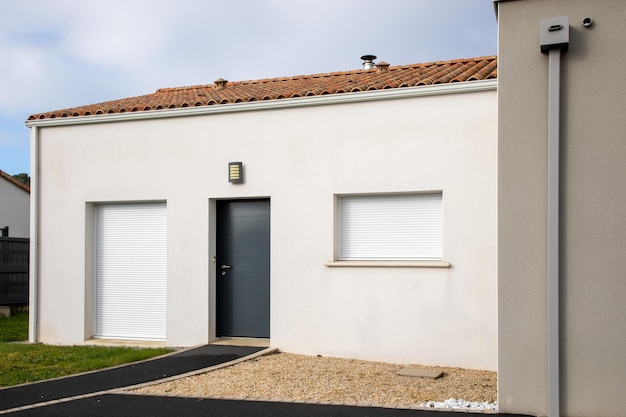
243,268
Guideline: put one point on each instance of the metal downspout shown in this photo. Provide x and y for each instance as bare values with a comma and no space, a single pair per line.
33,290
554,37
553,232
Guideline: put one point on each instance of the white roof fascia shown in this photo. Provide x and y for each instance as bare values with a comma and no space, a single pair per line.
360,96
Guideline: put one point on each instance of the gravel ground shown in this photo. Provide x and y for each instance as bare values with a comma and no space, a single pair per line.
289,377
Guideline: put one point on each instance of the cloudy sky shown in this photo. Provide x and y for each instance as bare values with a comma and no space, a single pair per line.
66,53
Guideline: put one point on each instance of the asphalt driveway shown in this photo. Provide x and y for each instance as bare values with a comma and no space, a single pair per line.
121,405
123,376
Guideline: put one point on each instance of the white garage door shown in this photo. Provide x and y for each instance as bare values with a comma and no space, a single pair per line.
131,271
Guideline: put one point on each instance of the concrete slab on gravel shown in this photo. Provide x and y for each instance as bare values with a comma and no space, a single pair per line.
421,372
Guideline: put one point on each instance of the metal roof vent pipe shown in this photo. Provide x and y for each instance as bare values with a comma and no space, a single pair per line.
368,61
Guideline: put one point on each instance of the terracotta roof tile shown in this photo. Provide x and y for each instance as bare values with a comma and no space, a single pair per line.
224,92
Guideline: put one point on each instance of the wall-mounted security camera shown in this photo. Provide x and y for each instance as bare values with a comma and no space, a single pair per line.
587,22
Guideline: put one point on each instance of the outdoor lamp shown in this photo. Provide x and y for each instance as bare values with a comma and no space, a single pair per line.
235,172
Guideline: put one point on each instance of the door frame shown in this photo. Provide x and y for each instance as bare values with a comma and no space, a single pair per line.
212,261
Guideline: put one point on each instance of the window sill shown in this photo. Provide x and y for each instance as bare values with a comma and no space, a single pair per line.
389,264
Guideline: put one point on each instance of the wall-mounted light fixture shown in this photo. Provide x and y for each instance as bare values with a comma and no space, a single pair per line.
235,172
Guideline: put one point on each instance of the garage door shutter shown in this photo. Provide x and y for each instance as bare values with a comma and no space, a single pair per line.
131,271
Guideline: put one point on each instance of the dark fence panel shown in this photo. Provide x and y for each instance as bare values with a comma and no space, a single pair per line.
14,255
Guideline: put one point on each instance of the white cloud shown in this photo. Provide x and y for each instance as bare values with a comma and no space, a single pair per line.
14,149
73,49
74,52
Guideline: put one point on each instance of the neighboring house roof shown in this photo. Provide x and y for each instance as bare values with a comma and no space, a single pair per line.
14,181
223,92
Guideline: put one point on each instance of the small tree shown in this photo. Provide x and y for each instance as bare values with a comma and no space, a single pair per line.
23,178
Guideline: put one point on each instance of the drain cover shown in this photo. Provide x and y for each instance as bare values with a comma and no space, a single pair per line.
421,372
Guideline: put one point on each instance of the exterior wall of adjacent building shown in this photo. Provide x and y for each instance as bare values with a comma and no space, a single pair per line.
593,226
302,158
14,209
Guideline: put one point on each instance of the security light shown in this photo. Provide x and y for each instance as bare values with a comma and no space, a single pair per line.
235,172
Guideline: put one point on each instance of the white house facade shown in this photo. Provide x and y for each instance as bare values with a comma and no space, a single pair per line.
358,224
14,207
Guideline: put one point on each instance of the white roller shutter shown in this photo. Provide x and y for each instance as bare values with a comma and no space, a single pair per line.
391,227
131,271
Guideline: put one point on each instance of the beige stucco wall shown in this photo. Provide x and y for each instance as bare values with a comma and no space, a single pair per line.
14,209
593,229
301,158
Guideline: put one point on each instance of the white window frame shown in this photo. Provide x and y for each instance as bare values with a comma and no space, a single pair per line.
389,230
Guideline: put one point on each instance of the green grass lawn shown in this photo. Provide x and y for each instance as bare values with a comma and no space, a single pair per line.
14,328
24,362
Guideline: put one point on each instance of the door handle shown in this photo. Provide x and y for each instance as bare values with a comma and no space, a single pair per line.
225,266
